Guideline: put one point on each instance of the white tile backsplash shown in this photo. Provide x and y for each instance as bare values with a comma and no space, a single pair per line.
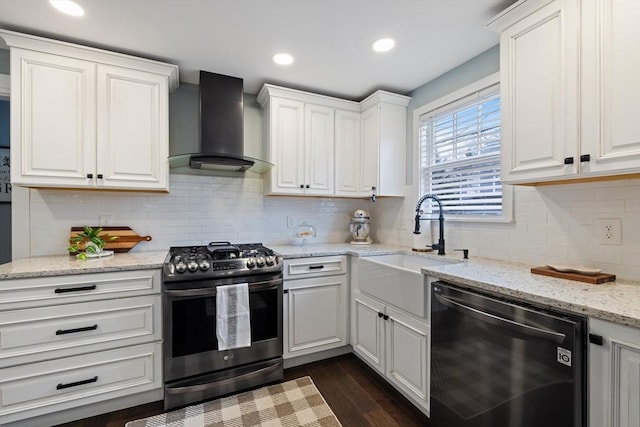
197,210
553,224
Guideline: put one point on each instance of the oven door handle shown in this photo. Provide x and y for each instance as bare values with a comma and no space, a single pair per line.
221,383
256,286
494,320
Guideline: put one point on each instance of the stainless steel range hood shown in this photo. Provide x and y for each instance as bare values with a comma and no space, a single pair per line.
221,140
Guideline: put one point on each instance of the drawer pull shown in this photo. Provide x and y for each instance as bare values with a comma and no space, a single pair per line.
316,267
78,289
77,383
73,331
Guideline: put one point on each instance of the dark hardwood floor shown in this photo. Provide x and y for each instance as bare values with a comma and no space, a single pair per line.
357,395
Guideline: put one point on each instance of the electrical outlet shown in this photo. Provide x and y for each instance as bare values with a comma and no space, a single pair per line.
609,231
291,221
105,220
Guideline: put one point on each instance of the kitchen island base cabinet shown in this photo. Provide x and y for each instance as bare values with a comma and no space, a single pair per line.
395,344
614,375
315,305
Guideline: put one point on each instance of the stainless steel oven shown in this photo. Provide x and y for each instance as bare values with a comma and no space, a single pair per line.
194,368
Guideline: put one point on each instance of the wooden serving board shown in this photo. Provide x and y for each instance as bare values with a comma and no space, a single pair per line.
126,238
595,278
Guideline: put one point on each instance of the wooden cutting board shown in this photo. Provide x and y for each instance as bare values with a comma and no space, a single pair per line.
127,238
595,278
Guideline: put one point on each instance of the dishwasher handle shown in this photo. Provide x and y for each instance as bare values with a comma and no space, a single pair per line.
494,320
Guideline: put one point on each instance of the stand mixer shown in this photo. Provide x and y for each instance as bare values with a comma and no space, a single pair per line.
359,228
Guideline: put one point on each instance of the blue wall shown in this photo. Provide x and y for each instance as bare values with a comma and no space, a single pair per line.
474,69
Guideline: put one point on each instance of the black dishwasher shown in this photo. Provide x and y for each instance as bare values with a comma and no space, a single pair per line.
501,363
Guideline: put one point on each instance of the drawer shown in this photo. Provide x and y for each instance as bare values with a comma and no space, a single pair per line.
41,291
302,268
30,390
49,332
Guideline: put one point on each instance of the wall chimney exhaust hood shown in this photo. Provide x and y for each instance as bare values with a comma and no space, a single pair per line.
221,130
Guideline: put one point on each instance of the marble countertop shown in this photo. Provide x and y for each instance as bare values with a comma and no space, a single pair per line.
64,264
617,301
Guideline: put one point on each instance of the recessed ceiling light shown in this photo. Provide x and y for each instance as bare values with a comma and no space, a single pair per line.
68,6
283,59
383,45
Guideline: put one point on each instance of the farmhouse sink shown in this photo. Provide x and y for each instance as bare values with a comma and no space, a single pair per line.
397,280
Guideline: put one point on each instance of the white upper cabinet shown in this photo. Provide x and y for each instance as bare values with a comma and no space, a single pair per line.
610,86
86,118
333,147
568,87
384,144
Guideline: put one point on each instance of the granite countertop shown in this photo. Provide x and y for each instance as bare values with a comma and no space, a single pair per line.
617,301
64,264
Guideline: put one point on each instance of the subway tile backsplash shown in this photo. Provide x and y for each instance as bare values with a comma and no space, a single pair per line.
197,210
553,224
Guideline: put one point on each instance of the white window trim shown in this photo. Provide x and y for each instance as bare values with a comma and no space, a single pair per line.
507,190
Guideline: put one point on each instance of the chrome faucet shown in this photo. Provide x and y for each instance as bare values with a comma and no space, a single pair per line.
440,245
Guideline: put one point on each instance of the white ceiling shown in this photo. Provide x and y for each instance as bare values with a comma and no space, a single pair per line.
330,39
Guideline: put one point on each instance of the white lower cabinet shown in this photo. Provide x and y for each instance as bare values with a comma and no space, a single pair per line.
394,343
41,388
315,305
614,375
75,340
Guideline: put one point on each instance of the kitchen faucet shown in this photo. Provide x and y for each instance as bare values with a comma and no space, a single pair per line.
416,230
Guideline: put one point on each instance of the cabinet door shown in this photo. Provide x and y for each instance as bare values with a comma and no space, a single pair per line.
53,142
287,146
348,154
367,330
133,142
316,315
407,355
318,149
539,93
614,376
370,148
611,88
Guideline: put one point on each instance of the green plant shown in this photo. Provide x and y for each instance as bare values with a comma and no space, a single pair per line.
88,241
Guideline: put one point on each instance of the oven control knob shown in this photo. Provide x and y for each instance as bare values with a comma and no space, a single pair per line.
270,260
251,263
260,261
204,265
181,267
279,259
192,266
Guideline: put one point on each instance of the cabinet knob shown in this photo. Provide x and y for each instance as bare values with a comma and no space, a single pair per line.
568,160
307,186
99,176
90,175
380,314
385,317
301,186
585,158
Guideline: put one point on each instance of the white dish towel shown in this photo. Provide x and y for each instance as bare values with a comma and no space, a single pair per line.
233,320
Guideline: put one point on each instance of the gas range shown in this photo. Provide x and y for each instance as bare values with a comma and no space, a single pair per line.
219,260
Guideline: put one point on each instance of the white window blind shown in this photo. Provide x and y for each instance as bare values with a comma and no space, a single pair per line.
460,155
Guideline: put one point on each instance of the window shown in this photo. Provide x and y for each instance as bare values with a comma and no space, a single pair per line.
459,153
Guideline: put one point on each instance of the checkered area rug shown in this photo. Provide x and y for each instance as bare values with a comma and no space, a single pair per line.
290,404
